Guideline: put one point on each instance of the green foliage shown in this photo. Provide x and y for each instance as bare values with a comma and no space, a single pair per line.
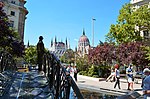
9,39
130,23
93,70
68,57
147,50
31,55
95,76
83,73
82,63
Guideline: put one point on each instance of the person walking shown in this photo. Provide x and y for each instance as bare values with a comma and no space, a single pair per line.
69,69
111,77
75,73
117,76
129,74
146,84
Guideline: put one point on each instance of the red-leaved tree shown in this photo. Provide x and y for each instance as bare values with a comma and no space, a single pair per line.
102,54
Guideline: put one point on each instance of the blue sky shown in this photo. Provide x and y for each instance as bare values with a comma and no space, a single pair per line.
67,18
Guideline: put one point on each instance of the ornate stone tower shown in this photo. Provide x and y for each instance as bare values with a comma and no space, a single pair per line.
83,44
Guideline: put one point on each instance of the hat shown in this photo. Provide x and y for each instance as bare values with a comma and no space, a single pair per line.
146,70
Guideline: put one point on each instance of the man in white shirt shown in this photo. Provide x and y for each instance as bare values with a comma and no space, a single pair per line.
129,73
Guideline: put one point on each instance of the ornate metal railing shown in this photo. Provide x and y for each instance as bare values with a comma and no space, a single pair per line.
7,71
60,81
7,62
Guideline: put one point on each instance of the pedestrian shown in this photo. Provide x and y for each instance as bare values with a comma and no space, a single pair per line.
69,69
111,77
40,53
129,74
75,73
146,84
117,76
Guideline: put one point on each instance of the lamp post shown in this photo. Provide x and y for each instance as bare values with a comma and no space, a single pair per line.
75,51
93,31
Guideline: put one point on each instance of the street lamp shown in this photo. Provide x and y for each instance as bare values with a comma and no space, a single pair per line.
93,31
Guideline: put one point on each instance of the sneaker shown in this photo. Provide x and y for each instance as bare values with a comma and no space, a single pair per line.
128,89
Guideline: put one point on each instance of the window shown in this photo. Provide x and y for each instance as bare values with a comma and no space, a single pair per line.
12,13
11,23
146,33
13,2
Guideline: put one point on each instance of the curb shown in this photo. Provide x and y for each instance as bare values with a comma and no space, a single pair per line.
91,78
104,79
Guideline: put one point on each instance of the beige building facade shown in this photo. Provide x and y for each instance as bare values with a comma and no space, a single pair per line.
16,12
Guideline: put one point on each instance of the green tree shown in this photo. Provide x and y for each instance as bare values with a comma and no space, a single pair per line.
9,39
68,56
147,50
82,63
129,24
31,55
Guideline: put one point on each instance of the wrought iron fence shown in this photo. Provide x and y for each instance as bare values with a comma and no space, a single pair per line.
60,81
7,71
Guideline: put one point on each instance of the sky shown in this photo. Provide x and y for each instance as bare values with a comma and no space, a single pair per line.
67,19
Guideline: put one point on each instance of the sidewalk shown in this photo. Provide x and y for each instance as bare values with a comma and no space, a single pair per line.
101,86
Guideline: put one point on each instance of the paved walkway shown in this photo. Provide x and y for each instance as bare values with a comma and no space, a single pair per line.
101,86
31,85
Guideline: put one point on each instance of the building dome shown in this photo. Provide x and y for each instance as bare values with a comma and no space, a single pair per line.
83,38
83,45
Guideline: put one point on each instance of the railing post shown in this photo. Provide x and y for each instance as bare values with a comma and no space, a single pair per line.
76,89
44,69
68,87
48,64
58,80
1,62
51,75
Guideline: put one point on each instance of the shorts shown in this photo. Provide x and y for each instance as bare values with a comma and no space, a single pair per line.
130,80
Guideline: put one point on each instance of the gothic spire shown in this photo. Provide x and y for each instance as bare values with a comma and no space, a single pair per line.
55,39
66,42
69,44
51,42
83,32
28,45
76,49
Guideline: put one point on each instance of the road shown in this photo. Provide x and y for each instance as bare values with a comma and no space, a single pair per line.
100,85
